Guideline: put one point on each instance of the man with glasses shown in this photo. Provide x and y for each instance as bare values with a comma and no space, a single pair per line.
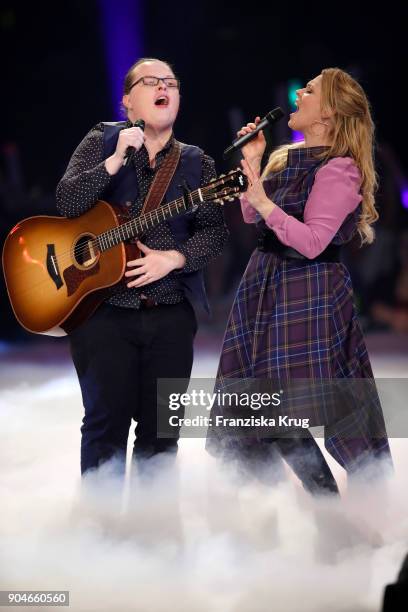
145,330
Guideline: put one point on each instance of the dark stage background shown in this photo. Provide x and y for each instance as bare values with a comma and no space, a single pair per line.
60,71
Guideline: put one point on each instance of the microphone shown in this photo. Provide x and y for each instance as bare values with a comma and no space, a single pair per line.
130,151
269,119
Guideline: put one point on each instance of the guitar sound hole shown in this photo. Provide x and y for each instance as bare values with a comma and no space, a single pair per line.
86,251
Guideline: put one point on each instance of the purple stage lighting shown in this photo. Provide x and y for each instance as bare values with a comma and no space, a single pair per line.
404,195
122,31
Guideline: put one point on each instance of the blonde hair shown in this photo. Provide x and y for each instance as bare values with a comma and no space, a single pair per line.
352,134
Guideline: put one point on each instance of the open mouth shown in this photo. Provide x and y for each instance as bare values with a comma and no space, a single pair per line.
162,101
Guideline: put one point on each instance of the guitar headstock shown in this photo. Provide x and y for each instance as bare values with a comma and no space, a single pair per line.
226,187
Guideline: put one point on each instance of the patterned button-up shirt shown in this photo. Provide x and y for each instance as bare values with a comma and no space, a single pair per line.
85,181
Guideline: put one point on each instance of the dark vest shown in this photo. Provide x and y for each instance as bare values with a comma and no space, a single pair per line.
123,188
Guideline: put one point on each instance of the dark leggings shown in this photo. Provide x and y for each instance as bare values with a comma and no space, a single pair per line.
263,458
306,459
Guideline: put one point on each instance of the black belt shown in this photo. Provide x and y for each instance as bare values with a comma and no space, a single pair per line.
146,303
269,243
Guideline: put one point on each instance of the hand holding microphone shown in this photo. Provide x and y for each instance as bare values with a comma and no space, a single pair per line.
254,149
251,131
130,140
136,140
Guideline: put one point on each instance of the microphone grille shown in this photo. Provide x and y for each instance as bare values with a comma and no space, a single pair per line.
275,114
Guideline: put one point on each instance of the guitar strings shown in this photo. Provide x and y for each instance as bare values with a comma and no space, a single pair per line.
151,216
111,233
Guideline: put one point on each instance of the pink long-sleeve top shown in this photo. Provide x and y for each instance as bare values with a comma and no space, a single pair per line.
334,195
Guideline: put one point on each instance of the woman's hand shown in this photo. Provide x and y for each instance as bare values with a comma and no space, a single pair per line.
255,194
254,150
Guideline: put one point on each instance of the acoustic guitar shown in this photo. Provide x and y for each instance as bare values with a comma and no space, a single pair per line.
59,270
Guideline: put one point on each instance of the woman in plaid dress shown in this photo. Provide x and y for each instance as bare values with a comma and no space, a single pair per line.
294,316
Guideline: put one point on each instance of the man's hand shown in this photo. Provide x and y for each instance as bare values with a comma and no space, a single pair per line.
153,266
130,137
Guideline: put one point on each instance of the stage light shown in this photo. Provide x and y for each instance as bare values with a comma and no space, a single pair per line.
404,195
293,85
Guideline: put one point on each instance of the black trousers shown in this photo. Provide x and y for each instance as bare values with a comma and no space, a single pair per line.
119,354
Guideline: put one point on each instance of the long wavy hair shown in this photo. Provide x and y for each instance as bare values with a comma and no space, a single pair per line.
351,134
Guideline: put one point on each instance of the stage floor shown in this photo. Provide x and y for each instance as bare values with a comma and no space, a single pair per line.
199,541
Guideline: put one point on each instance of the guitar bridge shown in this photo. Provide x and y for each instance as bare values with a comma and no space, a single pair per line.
52,266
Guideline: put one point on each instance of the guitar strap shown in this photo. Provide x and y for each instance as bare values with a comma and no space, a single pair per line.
162,179
153,199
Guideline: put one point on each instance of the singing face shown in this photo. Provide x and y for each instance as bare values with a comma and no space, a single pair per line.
308,104
157,104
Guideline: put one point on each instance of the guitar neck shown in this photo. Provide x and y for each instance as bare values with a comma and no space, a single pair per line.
137,226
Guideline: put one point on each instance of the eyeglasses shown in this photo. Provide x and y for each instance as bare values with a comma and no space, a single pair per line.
152,81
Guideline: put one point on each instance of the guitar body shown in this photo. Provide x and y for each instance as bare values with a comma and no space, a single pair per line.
54,277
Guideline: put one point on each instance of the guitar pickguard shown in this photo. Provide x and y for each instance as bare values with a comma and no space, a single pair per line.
73,277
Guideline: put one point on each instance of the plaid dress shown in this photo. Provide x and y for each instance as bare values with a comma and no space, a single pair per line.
295,319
